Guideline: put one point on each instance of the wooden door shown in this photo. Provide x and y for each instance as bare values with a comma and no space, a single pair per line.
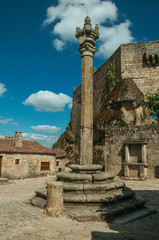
0,165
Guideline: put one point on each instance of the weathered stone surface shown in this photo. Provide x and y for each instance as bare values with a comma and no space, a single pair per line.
118,183
31,169
67,143
109,197
29,222
42,192
104,213
75,198
4,180
71,177
72,187
87,37
98,187
86,168
125,118
54,204
38,201
102,176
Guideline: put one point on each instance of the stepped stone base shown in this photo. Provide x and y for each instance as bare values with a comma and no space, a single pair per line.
92,195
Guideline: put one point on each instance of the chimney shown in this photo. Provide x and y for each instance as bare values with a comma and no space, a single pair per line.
18,138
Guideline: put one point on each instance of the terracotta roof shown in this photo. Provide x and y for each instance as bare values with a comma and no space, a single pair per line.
29,147
59,152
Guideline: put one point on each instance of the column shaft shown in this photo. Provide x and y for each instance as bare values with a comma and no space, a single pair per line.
86,141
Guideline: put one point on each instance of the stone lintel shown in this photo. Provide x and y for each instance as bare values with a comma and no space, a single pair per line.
135,164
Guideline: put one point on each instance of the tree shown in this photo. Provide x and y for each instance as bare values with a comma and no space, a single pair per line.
111,76
151,102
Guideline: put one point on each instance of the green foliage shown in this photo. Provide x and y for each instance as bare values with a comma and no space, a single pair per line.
54,145
111,76
151,102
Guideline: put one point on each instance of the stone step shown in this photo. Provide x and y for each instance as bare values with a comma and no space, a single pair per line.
93,168
38,202
104,213
134,215
89,187
102,177
41,192
122,210
74,188
98,199
94,198
4,180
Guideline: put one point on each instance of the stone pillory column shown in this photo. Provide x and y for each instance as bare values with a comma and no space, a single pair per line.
87,37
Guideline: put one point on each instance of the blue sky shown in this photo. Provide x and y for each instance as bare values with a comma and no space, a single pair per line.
40,63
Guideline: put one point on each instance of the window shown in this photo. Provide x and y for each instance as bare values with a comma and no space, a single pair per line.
45,166
57,164
17,161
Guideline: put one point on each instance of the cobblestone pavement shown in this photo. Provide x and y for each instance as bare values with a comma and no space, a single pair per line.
20,221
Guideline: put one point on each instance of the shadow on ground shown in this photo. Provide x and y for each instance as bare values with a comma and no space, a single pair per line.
146,228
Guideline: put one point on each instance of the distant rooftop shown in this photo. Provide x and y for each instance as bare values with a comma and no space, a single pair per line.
28,147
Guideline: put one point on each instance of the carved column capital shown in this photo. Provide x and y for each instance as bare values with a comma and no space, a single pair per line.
87,37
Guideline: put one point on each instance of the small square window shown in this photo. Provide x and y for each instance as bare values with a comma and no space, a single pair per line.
45,166
17,161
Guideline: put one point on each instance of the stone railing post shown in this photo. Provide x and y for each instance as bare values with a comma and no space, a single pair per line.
54,204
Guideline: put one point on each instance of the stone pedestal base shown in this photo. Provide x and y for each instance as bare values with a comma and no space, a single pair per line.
92,195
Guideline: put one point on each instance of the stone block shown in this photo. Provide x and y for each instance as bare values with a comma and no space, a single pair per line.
74,177
54,204
104,176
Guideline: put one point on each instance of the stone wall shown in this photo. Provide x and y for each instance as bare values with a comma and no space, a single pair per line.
137,61
114,149
100,86
61,164
130,62
29,165
134,64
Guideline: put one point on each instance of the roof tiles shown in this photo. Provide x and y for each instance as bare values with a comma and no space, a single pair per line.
29,147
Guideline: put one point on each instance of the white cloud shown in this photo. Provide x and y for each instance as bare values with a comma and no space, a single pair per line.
48,101
59,44
39,137
1,136
46,128
2,89
69,14
7,120
111,38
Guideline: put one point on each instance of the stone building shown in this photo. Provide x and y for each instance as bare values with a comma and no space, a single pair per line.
125,138
24,158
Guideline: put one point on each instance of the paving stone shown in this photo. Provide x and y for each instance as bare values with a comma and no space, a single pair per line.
20,221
